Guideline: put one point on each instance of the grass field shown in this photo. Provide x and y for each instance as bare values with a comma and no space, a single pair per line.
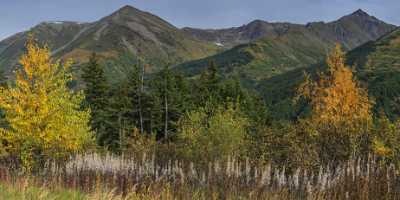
24,191
115,178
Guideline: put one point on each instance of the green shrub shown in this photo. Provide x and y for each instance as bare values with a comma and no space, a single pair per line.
207,136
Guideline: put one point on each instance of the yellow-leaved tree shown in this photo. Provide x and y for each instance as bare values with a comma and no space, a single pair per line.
43,115
341,110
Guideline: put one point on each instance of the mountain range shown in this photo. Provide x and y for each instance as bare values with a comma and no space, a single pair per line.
269,49
267,57
352,30
127,31
130,31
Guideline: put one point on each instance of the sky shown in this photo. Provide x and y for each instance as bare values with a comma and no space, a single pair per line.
20,15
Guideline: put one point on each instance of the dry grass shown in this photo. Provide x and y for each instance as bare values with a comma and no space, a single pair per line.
114,177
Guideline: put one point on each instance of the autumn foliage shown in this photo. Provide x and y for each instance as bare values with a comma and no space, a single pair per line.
341,111
335,98
43,115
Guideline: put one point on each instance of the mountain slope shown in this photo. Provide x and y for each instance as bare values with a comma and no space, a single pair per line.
55,34
353,29
383,54
377,68
128,31
231,37
295,46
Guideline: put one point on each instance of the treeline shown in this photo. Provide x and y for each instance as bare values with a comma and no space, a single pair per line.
211,117
203,119
155,106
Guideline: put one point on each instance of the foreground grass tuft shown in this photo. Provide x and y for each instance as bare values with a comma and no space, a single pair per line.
24,191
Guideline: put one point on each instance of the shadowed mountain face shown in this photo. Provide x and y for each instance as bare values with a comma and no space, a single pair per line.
128,31
276,48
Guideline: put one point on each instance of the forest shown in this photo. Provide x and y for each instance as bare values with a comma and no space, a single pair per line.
166,136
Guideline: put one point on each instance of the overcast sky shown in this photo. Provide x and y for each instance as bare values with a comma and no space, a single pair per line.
20,15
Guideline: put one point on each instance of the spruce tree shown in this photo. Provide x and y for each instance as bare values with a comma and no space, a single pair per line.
208,85
172,95
126,110
96,92
119,121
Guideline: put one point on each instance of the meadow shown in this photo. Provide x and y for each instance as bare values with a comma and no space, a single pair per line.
95,176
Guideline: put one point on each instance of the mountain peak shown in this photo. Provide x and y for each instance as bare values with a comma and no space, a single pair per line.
360,16
127,8
360,12
127,11
257,21
136,19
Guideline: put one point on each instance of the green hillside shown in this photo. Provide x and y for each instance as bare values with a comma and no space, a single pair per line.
56,34
126,31
379,55
377,68
298,46
266,57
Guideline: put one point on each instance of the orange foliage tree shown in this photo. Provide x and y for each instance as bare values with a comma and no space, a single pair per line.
341,110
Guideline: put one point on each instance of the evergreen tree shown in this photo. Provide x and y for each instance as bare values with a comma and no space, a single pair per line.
96,92
171,92
119,121
214,90
207,87
128,109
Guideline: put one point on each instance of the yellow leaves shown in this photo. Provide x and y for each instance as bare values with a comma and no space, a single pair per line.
40,110
335,98
380,149
36,61
335,60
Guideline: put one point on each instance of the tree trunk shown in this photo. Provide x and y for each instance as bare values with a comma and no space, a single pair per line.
140,99
166,117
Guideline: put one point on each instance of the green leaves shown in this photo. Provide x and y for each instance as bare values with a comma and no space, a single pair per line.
206,136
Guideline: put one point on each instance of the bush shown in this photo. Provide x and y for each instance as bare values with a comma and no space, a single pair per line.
207,136
286,144
386,140
138,144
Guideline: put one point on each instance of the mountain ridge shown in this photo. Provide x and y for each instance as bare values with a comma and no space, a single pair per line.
258,28
293,46
258,49
127,31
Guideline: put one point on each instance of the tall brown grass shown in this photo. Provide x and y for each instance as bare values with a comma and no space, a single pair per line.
149,177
